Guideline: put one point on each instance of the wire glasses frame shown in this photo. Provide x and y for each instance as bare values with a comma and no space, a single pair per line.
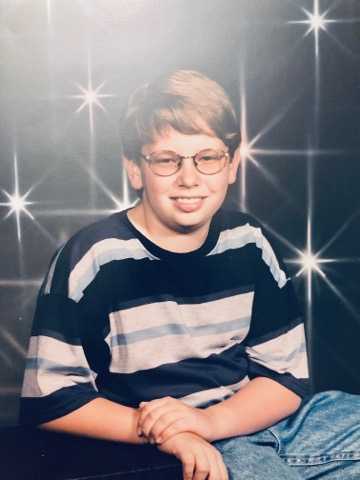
167,162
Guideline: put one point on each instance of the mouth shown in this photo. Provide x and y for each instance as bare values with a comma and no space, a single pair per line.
188,203
188,198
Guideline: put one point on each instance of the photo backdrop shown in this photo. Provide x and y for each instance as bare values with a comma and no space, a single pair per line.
292,70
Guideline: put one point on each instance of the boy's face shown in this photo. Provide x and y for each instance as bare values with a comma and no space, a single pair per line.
188,199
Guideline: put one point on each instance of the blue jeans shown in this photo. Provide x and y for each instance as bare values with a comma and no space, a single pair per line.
320,441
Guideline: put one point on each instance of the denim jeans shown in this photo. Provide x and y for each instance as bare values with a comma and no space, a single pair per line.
320,441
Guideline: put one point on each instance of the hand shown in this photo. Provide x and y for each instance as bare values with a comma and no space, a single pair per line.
160,419
200,460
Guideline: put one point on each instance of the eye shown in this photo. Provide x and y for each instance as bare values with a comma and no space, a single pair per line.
164,158
208,156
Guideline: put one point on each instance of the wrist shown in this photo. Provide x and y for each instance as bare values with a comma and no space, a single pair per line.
219,416
135,414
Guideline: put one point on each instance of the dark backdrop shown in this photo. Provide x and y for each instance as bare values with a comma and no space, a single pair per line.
292,69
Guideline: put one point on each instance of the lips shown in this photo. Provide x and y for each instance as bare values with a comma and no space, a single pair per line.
188,204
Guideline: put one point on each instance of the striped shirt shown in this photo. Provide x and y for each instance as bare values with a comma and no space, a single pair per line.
119,317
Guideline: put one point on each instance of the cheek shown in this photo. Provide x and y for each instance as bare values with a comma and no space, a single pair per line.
156,188
218,186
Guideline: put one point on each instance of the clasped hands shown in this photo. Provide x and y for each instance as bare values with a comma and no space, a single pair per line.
185,432
165,417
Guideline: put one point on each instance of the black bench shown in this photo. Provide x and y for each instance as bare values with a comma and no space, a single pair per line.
31,454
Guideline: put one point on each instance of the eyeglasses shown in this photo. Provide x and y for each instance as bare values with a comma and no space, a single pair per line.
166,162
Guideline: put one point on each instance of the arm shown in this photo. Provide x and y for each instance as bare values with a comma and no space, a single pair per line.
59,389
102,419
260,404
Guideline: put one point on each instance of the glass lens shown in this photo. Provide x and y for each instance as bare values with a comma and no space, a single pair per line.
164,163
210,161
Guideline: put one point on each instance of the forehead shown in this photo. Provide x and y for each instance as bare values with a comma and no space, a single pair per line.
184,144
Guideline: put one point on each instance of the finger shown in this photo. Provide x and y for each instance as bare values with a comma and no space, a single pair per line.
167,402
218,470
149,414
158,420
145,408
179,425
144,440
224,469
149,407
171,423
149,403
202,465
188,466
155,402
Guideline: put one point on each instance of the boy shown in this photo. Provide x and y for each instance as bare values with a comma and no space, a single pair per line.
174,321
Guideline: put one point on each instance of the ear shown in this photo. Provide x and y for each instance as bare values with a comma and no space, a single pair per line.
133,171
234,166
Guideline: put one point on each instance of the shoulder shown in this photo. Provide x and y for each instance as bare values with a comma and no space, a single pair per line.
238,224
84,253
110,228
232,218
238,228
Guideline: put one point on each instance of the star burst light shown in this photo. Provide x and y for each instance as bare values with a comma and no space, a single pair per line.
316,21
310,263
17,202
250,150
48,11
118,203
91,97
312,267
247,150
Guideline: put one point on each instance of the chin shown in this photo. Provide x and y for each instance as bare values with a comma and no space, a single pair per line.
190,225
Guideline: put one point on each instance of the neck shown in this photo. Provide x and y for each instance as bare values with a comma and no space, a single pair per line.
174,240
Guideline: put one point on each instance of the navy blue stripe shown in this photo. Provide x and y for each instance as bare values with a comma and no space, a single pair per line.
273,308
176,379
34,411
195,300
44,364
144,281
300,386
57,317
274,333
79,244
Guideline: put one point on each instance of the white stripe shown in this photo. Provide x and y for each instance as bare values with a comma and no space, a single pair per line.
47,367
146,337
240,236
51,272
192,315
285,353
99,254
168,349
220,393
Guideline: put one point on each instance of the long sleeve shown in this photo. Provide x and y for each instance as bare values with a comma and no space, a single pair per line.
276,343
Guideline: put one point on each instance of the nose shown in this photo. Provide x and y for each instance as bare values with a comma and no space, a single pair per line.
188,176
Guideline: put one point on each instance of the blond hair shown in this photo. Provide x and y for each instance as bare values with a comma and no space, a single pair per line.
185,100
